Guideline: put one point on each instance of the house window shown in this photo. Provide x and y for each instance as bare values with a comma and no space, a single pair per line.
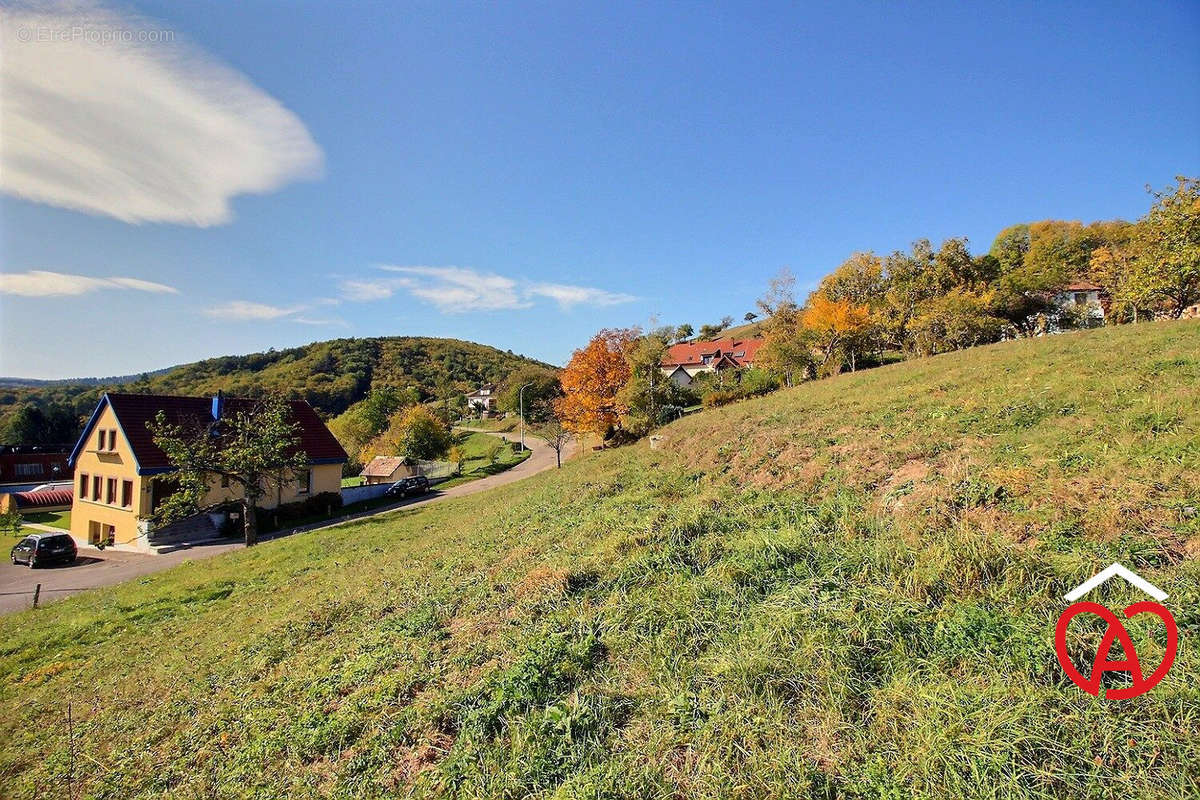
102,438
96,483
112,440
83,487
127,494
28,470
1081,298
305,482
111,496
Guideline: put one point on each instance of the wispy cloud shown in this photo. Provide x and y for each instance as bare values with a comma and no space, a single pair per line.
42,283
250,311
244,310
568,297
125,120
458,289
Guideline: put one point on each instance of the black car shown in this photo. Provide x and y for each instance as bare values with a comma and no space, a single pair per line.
407,487
40,549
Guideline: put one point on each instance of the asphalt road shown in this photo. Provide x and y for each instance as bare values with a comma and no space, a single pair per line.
96,568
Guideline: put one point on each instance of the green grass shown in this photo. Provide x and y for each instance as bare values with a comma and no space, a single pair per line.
506,425
847,589
477,464
356,480
55,519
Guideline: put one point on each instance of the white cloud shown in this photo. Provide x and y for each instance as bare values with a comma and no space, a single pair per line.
453,289
41,283
457,289
244,310
102,116
250,311
335,321
364,290
568,297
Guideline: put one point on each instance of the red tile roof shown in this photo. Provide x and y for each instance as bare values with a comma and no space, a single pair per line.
740,351
1083,286
133,411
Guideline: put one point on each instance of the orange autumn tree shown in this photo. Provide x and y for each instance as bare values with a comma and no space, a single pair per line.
833,323
592,381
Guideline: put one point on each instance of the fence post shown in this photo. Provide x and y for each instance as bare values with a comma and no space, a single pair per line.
36,594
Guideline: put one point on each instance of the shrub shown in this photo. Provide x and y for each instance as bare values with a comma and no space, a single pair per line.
325,503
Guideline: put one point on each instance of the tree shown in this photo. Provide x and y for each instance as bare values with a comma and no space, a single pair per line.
832,323
726,321
749,317
420,435
540,395
491,450
53,423
709,332
647,390
684,332
592,381
788,348
780,294
1167,241
555,434
456,456
909,283
860,281
1010,246
251,449
367,419
953,321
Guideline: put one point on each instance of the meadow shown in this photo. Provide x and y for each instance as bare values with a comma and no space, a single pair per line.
843,590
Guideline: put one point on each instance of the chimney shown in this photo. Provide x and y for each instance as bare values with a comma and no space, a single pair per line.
218,405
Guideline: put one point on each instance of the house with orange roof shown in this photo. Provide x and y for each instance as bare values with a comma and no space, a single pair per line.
684,361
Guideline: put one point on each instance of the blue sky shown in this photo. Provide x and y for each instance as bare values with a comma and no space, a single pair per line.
522,174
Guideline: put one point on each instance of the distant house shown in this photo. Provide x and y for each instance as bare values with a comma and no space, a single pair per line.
387,469
34,463
1085,295
684,361
116,462
483,399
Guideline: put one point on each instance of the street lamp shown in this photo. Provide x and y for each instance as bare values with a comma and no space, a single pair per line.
521,402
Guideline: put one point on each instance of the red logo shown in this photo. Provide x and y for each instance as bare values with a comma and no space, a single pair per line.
1116,631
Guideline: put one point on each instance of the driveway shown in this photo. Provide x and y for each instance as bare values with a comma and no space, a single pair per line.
96,568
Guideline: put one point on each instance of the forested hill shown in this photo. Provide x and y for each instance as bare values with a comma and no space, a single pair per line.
330,375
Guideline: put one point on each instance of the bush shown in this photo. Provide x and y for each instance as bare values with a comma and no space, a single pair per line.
319,505
720,397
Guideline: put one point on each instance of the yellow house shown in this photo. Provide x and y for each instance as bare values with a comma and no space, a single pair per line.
116,463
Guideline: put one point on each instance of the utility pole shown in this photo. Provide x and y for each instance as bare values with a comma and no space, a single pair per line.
521,402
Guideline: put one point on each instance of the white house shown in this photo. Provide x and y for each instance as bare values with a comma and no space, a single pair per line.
1082,294
684,361
483,399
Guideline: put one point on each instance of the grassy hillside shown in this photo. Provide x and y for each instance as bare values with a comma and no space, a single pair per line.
846,589
330,375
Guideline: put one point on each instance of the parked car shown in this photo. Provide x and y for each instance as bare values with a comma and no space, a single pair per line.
40,549
407,487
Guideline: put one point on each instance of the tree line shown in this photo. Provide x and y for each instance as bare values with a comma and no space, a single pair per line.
925,301
913,303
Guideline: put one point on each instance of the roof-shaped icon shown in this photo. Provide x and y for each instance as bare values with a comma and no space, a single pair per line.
1111,571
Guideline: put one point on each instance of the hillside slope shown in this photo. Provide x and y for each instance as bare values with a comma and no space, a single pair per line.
847,589
330,375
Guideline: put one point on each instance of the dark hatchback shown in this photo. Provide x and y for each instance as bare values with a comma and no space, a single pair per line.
407,487
43,549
